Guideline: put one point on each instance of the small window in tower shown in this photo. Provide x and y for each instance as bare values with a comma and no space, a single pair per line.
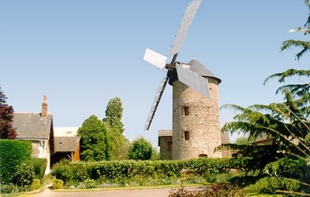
185,111
203,156
186,135
169,145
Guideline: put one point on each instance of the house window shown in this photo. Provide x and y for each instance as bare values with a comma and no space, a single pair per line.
185,111
186,135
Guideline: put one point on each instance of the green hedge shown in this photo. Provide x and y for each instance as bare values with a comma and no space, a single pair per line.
117,170
39,165
12,153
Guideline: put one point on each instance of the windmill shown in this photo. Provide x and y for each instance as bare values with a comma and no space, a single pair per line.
192,99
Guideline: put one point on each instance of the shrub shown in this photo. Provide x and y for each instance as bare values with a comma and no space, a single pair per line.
39,165
90,183
223,190
24,174
243,181
141,149
58,184
36,183
269,185
117,171
8,188
12,153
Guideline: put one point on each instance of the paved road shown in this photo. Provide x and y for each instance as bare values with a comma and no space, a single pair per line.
163,192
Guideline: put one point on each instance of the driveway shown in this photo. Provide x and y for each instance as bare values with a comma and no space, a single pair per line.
162,192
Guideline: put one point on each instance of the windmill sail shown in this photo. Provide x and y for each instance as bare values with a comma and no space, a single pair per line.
159,93
188,77
184,27
155,59
193,80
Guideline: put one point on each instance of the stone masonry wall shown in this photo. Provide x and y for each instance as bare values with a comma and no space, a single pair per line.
202,122
165,147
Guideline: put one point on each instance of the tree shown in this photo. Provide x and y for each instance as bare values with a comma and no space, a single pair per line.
6,118
286,124
114,114
115,128
141,149
94,144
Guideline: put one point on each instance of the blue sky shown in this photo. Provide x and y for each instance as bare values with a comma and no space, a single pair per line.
81,54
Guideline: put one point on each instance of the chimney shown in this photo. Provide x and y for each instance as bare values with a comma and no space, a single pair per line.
44,107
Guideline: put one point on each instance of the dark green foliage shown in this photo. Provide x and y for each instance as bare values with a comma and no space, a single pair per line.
114,114
287,127
243,181
9,188
6,118
12,153
90,183
94,144
111,171
216,190
24,174
117,142
141,149
39,166
287,167
269,185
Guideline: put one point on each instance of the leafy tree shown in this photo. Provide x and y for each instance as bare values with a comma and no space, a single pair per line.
286,124
141,149
113,120
6,118
114,114
94,143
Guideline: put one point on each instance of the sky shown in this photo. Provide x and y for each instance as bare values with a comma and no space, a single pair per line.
81,54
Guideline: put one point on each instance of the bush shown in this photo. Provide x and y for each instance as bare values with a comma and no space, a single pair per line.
243,181
58,184
118,171
90,183
141,149
39,165
12,153
223,190
269,185
24,174
36,183
8,188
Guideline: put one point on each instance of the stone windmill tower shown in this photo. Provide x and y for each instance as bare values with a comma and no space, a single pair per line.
196,128
196,125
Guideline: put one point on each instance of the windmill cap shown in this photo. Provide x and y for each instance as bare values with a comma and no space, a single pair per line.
198,68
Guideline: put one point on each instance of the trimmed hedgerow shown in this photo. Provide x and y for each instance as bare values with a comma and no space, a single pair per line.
120,170
12,153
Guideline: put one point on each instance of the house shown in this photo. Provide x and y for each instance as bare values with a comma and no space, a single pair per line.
37,128
66,144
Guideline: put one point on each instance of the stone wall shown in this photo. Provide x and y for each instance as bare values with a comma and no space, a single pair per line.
196,124
165,144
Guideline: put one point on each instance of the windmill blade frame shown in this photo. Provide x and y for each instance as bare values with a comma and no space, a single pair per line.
160,61
187,19
192,79
154,58
156,101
